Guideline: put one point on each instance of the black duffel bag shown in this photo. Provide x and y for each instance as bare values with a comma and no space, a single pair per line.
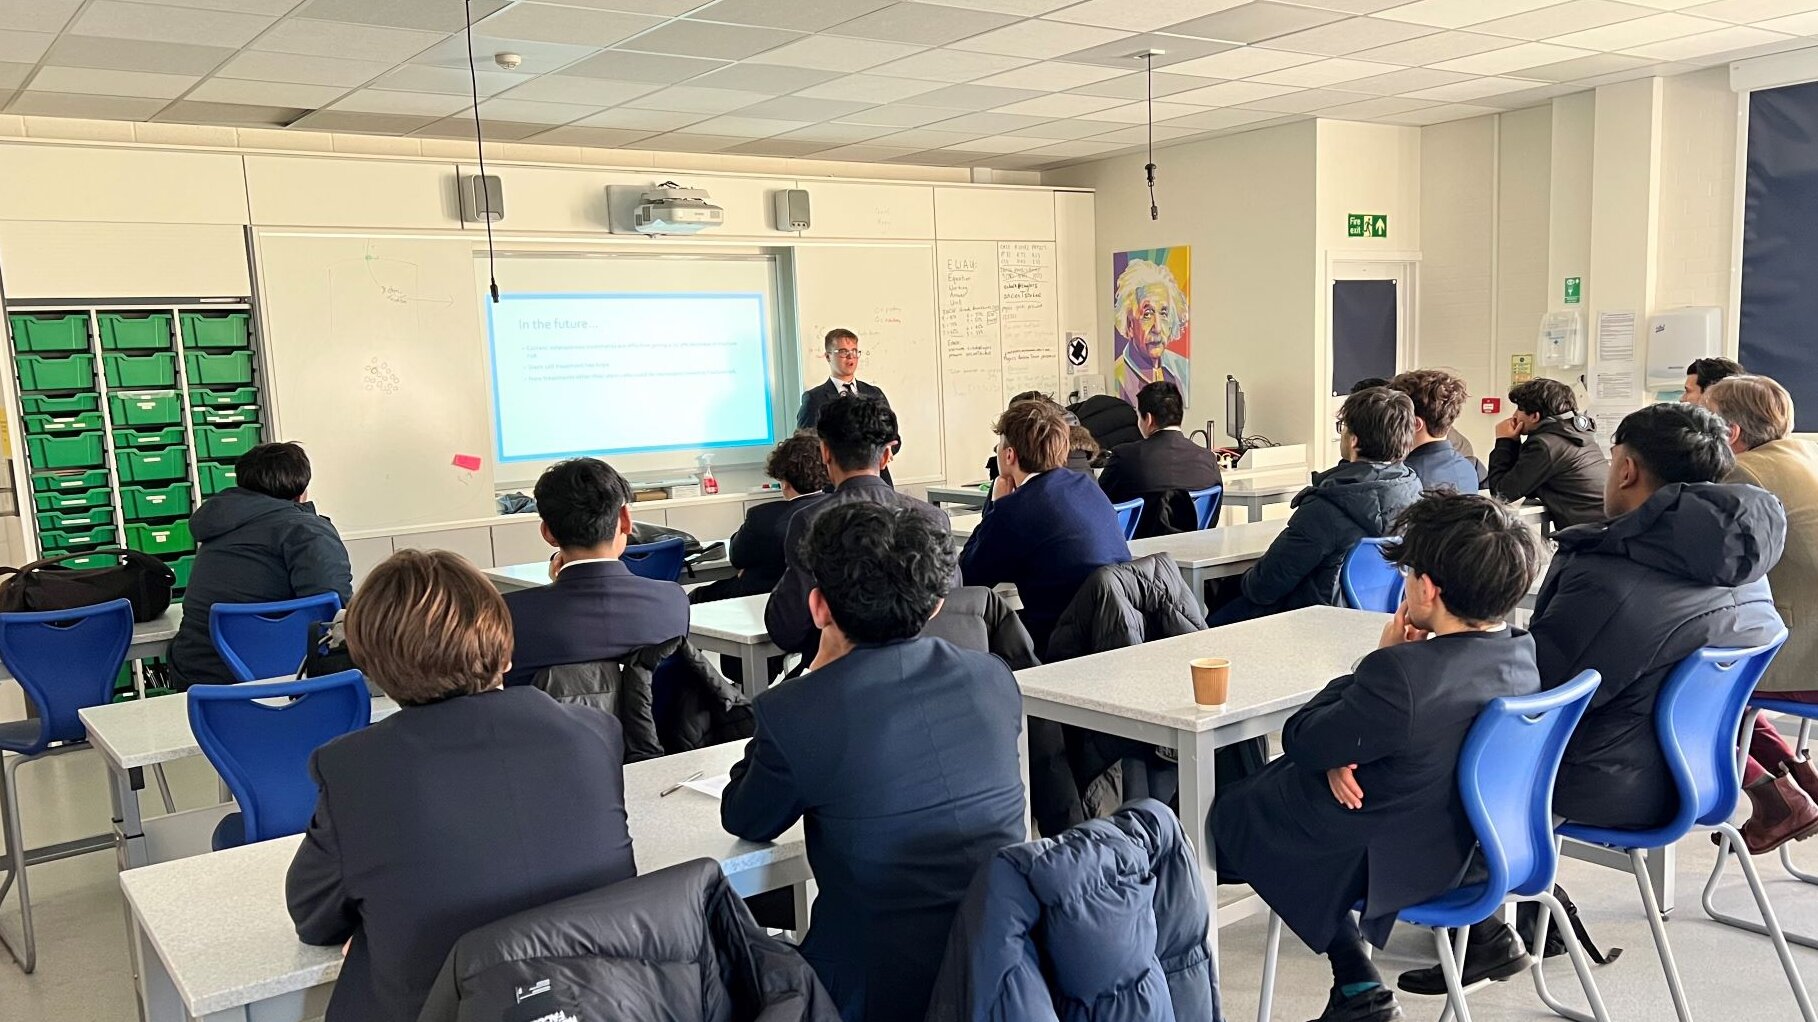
46,584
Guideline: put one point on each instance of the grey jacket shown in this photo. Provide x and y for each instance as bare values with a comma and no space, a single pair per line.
1559,464
1126,605
703,708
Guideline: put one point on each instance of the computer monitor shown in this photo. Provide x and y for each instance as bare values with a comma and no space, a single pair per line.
1234,410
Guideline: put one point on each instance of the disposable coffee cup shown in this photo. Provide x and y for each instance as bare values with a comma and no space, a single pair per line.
1211,681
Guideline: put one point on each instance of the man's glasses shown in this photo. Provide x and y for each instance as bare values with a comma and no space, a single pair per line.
1338,427
845,353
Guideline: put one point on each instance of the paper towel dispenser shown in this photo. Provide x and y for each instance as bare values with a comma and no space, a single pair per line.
1679,337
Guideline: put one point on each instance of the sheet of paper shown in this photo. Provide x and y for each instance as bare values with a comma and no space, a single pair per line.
1615,382
1615,337
714,786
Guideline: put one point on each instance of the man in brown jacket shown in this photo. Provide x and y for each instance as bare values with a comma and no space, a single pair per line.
1760,415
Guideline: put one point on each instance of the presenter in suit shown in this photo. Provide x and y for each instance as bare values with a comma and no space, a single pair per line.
898,751
842,381
471,803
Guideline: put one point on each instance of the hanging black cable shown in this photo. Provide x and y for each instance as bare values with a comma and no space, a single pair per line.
1149,168
482,194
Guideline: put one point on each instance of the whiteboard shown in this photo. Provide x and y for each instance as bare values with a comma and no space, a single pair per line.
885,294
376,368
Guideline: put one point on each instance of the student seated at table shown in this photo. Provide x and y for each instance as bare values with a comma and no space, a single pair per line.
1359,498
1680,564
1162,468
1081,451
1438,397
262,541
1363,805
1782,784
899,752
1545,451
471,803
756,549
594,608
1701,374
857,442
1045,529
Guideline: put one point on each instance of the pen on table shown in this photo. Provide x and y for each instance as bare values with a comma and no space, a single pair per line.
677,786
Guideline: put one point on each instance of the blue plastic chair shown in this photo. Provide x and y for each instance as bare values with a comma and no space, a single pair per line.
1506,770
1208,502
1368,580
262,641
661,560
1129,513
1697,718
261,749
66,660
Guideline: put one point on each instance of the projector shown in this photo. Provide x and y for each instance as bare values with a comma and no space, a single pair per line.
670,209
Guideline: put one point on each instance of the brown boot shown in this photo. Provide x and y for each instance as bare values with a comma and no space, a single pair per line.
1782,812
1804,775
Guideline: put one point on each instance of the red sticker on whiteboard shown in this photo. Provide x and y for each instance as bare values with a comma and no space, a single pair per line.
468,462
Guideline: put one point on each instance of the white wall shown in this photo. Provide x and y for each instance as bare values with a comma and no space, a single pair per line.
1697,191
1458,266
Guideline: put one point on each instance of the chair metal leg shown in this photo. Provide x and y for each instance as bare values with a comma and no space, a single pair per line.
1452,965
1709,898
170,806
1657,923
26,953
1265,1002
1733,839
1581,964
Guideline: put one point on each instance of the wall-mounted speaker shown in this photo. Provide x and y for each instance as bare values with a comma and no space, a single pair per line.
482,198
792,209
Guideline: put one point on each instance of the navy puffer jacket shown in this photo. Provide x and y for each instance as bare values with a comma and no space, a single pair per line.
1105,923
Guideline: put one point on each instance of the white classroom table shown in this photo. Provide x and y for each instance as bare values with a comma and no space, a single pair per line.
960,496
1268,488
512,577
213,940
1145,692
736,628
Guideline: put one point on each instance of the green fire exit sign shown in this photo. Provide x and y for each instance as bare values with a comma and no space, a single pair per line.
1367,225
1574,288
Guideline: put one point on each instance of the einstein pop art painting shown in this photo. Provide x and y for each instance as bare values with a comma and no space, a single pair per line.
1150,314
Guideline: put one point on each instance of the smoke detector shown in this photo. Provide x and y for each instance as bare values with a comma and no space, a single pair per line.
508,61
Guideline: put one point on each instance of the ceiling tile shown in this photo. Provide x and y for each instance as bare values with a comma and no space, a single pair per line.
1432,49
1348,36
693,99
834,53
685,143
1399,83
1139,86
233,115
804,109
1576,16
1145,17
933,138
101,108
1797,24
37,15
1041,39
1750,12
1653,69
92,81
538,57
1306,101
705,39
838,133
1253,22
1440,114
800,15
1060,129
1233,93
861,154
424,104
1137,133
663,8
524,111
1075,149
974,97
989,123
1138,113
784,148
769,78
1705,44
1214,120
1584,67
338,39
624,66
364,124
132,55
901,115
13,75
1060,104
1026,8
274,8
742,126
1476,88
1371,109
942,65
1241,62
600,138
1326,72
1353,6
1052,74
229,90
1640,32
922,23
24,47
922,158
868,88
599,92
495,131
449,80
1512,59
434,17
153,24
1533,96
574,25
1176,50
1459,13
649,121
1002,144
265,66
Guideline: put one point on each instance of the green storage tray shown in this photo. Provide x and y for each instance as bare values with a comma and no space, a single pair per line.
58,425
58,539
60,331
216,329
171,538
73,521
143,503
73,500
91,561
153,408
155,370
211,370
66,372
81,450
215,477
135,331
136,439
208,397
181,567
223,443
171,463
71,404
224,415
62,483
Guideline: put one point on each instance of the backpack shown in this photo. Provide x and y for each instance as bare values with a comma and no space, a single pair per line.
46,584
